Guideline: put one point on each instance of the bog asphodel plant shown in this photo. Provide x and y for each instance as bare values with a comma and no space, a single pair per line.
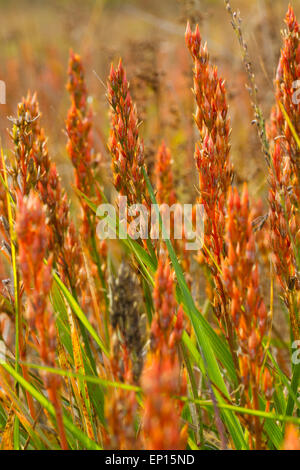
104,345
33,238
247,308
125,144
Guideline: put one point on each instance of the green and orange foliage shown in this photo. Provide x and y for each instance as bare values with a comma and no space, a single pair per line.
33,239
284,174
125,145
4,225
32,167
163,378
72,270
247,309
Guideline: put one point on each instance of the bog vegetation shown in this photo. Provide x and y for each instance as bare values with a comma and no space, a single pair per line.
105,344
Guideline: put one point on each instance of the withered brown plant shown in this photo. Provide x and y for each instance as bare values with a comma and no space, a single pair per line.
128,340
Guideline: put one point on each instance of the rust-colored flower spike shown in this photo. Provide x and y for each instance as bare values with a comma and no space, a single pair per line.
79,124
128,324
48,181
164,176
214,167
247,309
261,228
125,145
291,438
33,241
284,171
212,152
121,411
79,130
162,378
161,421
128,339
23,135
165,334
34,169
4,224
